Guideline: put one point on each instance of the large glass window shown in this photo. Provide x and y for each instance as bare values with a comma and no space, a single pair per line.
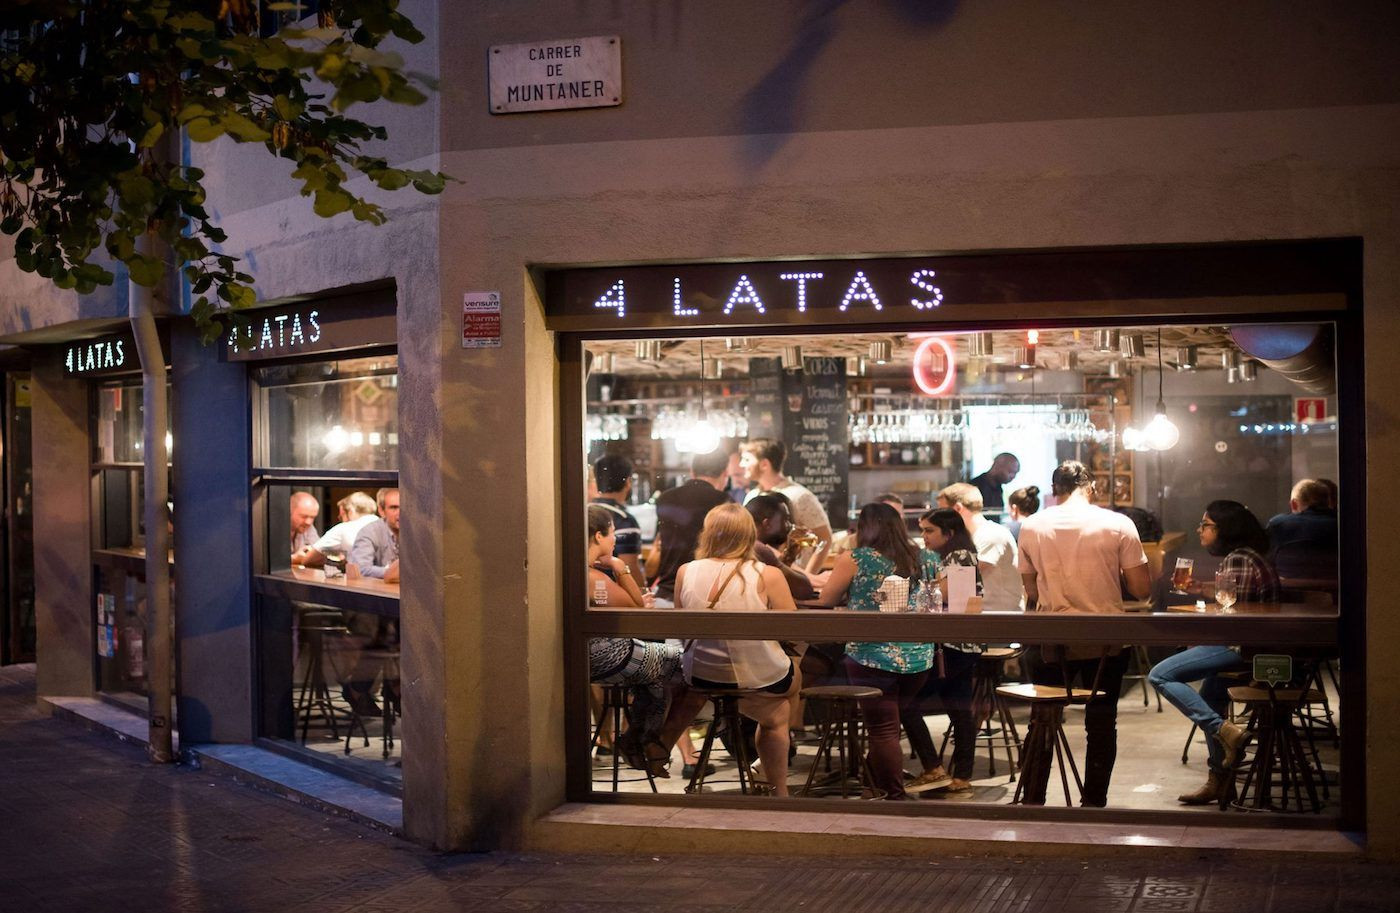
119,536
1134,497
326,486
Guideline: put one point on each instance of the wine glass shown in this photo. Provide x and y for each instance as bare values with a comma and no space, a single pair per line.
1226,591
1181,576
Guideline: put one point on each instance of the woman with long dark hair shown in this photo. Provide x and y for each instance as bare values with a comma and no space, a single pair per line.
897,670
945,535
1230,531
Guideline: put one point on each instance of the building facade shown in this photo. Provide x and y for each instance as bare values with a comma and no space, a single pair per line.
774,132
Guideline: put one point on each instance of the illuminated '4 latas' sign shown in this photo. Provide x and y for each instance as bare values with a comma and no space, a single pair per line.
805,287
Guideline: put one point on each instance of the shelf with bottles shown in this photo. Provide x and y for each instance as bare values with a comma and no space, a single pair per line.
928,455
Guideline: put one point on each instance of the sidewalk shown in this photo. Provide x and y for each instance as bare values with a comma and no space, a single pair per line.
87,824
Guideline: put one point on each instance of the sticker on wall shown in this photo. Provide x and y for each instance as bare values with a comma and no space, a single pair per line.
106,625
481,320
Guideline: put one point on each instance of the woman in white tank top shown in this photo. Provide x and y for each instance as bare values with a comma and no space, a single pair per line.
726,577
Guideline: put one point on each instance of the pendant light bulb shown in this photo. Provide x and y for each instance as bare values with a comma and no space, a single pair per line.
703,437
1161,433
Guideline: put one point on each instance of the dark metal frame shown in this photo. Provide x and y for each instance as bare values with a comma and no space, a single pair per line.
1341,307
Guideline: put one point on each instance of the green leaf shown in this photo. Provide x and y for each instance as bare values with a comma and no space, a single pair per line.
151,136
136,190
241,296
332,202
391,179
204,130
243,129
144,270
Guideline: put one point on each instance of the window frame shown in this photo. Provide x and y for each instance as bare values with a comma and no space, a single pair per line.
1346,630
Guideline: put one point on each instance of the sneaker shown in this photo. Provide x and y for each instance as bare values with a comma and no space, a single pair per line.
1232,739
930,779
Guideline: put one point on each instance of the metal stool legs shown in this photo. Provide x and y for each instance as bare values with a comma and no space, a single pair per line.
615,701
1046,735
727,712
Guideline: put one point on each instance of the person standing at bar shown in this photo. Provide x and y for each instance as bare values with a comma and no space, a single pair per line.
762,460
614,476
680,515
996,549
1076,557
1004,468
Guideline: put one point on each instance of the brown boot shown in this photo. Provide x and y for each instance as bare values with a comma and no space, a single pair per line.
1215,785
1232,739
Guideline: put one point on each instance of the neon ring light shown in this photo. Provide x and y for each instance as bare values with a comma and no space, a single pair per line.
932,386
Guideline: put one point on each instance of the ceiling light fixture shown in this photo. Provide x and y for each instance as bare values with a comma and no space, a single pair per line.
1161,433
880,351
1132,345
1106,340
979,345
703,436
792,358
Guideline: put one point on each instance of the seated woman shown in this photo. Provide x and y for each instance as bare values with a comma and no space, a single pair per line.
644,667
897,670
947,539
772,514
1228,529
726,577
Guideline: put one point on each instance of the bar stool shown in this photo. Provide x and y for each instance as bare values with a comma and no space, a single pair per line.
986,678
726,704
837,710
616,700
389,706
1047,731
1279,759
314,701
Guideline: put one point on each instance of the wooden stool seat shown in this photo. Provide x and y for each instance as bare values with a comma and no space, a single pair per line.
1046,733
1036,694
837,710
840,693
1246,694
1279,760
1001,653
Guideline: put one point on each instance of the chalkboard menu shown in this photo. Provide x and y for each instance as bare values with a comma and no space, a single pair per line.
806,410
765,398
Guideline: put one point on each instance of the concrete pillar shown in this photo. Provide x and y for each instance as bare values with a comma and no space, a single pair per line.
213,567
63,603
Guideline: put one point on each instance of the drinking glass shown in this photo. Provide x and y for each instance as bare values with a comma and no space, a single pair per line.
1181,577
1226,591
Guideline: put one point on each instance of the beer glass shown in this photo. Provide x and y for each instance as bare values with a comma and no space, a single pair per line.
1181,577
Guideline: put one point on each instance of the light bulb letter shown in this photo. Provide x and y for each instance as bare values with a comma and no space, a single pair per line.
801,279
614,297
922,279
744,293
676,300
860,289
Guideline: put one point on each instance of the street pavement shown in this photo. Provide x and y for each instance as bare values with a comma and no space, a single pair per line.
87,824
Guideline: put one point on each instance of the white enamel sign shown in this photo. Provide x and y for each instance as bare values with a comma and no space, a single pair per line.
556,74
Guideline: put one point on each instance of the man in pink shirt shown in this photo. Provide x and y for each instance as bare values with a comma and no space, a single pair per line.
1076,557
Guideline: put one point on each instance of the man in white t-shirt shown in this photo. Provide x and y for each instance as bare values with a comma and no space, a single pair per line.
762,462
355,510
1076,557
996,550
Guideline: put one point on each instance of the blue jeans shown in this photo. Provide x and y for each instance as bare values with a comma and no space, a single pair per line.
1206,709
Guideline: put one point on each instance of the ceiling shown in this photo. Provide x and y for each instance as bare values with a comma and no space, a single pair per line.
1056,350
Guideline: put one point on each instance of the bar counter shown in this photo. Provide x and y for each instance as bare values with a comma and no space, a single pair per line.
1275,623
